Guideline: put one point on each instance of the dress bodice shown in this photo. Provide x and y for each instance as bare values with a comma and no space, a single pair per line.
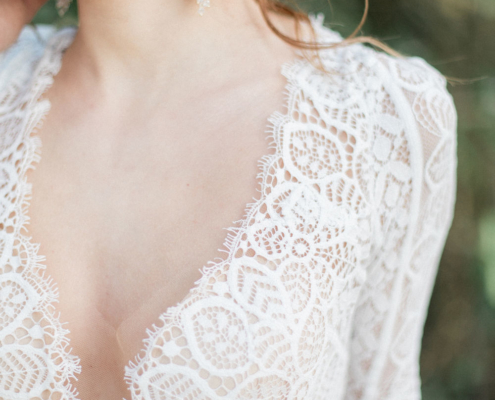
328,278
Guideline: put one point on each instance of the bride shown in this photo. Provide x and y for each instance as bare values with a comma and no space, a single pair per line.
157,125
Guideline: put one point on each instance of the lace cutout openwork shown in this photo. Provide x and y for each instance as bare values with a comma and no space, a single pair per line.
325,288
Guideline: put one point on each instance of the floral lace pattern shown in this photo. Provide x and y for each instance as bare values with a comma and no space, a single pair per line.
328,277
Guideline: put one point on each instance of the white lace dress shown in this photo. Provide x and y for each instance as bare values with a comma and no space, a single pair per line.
328,278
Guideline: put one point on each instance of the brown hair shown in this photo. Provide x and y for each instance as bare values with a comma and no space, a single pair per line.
300,17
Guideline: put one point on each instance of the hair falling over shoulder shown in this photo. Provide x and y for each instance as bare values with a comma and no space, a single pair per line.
301,17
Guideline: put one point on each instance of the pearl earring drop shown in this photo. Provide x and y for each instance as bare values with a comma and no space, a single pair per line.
62,6
202,4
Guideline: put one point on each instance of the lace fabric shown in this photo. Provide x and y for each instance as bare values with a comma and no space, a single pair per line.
328,277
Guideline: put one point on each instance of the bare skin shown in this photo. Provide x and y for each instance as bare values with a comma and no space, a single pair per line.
149,151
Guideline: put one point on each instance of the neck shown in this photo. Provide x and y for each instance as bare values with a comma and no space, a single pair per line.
157,40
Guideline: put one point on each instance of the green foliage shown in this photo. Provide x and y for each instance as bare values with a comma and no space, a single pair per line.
487,254
48,15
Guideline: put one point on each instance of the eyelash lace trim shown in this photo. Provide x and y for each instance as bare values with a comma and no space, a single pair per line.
328,275
35,354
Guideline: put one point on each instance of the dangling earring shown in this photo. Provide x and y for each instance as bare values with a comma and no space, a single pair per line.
62,6
202,4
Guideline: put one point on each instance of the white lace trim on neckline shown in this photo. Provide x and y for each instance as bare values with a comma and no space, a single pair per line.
48,67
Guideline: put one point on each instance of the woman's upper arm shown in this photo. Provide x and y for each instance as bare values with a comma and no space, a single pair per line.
414,151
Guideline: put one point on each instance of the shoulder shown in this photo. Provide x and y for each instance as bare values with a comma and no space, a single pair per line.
411,71
18,61
17,68
422,89
396,115
24,71
410,85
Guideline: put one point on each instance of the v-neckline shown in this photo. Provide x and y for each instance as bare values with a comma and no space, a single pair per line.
46,70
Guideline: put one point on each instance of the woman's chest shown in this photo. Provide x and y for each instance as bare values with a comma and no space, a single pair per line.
274,304
125,237
272,315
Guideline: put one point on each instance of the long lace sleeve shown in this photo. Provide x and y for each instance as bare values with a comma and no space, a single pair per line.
414,150
329,274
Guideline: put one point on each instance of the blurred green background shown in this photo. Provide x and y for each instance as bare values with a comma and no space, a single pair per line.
458,38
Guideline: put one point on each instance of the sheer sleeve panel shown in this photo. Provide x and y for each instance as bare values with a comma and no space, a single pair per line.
330,273
414,144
